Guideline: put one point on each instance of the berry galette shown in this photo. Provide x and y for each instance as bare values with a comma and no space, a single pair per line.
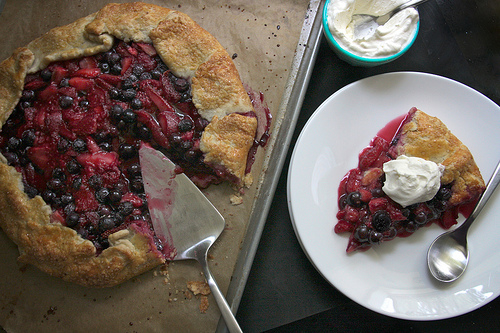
75,105
373,211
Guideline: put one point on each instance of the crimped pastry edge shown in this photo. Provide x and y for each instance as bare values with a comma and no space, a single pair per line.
52,247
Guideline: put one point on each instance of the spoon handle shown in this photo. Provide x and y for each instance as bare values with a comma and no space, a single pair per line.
490,188
407,4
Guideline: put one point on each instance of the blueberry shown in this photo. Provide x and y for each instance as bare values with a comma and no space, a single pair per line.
28,137
421,218
125,208
30,190
127,84
181,85
142,132
186,145
79,145
55,184
28,95
77,183
138,69
136,104
113,58
65,101
104,66
411,226
102,194
137,185
155,74
145,76
95,181
62,145
14,143
59,174
116,69
12,158
129,116
381,221
46,74
354,199
72,219
185,125
134,170
106,223
115,196
117,112
64,83
115,93
375,237
106,146
127,151
73,166
67,198
129,94
362,233
444,193
48,196
84,103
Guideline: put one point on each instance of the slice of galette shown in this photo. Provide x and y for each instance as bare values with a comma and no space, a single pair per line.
423,175
76,104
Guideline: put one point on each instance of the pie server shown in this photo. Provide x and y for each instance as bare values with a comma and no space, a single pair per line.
183,219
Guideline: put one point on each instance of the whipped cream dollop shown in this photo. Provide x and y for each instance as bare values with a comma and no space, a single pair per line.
386,40
410,180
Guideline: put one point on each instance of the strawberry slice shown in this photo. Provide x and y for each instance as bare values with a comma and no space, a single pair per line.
169,90
111,79
88,62
81,83
42,156
126,64
160,103
59,73
101,160
88,73
168,122
85,200
35,84
47,93
151,123
147,48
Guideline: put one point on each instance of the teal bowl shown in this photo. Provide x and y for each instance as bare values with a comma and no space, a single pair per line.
357,60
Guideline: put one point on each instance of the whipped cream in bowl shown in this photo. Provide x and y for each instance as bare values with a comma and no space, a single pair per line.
410,180
386,43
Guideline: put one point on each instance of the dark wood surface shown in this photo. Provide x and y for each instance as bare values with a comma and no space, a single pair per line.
458,39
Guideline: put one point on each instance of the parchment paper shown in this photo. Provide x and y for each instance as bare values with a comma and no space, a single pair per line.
263,37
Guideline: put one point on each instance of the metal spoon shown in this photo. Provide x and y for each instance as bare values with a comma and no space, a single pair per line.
448,255
365,24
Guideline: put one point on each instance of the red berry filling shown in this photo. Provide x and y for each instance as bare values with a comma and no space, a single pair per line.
371,216
75,134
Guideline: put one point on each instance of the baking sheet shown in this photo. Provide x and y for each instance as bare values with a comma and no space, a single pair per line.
270,42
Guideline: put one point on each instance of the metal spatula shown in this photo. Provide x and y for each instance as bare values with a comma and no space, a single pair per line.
183,218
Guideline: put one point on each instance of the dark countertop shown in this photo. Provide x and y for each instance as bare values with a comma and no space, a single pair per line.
458,39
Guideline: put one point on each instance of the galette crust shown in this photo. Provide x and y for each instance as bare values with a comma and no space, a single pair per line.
428,137
190,52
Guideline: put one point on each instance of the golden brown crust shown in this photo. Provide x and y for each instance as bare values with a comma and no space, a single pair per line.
428,138
226,140
59,250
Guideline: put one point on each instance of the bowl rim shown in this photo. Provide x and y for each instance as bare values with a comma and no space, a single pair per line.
329,35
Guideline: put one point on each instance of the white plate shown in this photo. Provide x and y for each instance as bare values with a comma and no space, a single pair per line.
393,279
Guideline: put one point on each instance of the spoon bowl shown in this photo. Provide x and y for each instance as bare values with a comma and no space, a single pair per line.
448,255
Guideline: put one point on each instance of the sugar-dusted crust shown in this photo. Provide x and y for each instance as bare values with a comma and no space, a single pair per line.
190,52
428,137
